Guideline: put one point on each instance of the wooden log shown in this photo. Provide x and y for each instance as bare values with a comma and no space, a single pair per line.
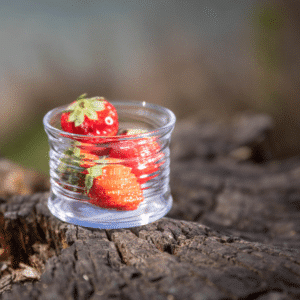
168,259
243,197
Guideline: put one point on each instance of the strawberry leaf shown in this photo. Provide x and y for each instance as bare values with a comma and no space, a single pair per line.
79,119
88,104
88,182
77,152
85,107
73,106
91,114
98,105
69,152
69,169
83,96
74,115
95,171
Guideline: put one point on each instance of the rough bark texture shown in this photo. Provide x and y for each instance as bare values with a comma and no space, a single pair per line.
225,178
233,232
169,259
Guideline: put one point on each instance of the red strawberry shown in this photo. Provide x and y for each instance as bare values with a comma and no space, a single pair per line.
87,159
113,186
94,149
141,154
90,116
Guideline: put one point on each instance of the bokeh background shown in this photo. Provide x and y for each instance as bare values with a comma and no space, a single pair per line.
219,57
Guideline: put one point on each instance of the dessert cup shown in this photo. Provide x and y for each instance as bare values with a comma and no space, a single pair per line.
68,200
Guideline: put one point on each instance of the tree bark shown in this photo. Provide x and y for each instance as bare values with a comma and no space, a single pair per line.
168,259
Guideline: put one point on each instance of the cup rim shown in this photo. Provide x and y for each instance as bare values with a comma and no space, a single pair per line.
158,131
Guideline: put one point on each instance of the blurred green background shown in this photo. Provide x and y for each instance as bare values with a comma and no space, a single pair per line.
217,56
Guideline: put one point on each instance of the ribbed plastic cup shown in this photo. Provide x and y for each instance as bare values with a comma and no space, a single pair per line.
69,200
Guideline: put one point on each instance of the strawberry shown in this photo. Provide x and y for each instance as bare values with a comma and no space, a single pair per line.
111,185
90,116
94,149
73,167
141,154
87,159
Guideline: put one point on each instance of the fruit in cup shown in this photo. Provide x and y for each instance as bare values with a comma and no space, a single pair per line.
143,155
111,185
90,116
109,171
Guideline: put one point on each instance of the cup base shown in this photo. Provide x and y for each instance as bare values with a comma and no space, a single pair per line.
88,215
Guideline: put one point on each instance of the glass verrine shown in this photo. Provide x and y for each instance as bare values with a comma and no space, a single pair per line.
71,201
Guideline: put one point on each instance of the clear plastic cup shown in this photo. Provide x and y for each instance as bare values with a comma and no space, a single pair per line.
69,199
